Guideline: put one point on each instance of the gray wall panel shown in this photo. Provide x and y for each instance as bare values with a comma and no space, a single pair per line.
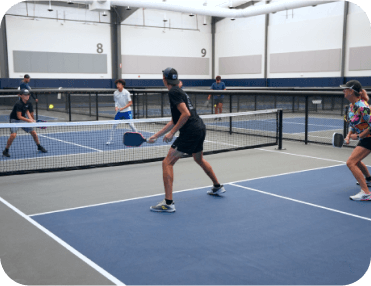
47,62
22,61
133,64
240,65
56,63
309,61
71,61
360,58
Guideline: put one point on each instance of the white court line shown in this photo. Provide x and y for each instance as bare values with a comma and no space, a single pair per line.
301,202
113,202
298,155
186,190
67,142
64,244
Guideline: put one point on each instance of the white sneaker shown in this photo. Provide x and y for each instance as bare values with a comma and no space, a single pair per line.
163,207
216,191
361,196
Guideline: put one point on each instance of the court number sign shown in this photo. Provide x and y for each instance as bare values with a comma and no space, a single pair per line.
99,48
203,52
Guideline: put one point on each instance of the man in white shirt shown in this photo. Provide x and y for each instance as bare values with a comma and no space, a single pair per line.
122,107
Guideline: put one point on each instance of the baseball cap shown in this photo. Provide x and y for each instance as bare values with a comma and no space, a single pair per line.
26,76
24,92
352,84
171,75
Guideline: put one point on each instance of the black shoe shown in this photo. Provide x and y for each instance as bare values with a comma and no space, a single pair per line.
6,153
42,149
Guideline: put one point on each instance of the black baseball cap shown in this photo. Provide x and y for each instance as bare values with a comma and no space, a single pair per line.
24,92
26,76
171,75
353,84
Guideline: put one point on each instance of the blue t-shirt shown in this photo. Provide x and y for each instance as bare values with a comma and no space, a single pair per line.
24,85
220,86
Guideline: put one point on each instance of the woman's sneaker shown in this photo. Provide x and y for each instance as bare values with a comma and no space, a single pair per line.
361,196
216,191
163,207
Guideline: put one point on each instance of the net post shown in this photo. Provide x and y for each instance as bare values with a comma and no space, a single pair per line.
162,104
134,104
96,107
345,131
37,109
230,111
255,102
306,118
89,104
280,129
69,107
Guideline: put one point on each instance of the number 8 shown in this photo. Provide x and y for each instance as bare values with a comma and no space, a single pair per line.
100,48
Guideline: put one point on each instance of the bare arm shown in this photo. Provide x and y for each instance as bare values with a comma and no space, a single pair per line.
184,115
20,117
163,131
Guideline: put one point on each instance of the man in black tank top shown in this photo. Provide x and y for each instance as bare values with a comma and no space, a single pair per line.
191,138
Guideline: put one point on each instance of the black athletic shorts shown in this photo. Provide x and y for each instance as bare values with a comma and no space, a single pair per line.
218,100
365,143
190,143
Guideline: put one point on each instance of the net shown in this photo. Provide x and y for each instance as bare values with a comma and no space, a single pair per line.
73,145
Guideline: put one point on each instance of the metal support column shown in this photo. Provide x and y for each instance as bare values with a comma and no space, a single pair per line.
344,44
116,44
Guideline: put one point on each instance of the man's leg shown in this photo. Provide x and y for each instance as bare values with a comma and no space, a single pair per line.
200,160
167,171
10,140
220,107
35,138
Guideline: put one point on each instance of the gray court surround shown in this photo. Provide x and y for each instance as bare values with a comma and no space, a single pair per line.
134,64
309,61
48,62
360,58
241,65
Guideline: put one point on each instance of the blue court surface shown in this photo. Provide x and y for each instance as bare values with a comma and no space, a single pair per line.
5,118
298,228
69,143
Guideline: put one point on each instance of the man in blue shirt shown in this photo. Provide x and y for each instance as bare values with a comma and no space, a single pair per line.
25,85
218,99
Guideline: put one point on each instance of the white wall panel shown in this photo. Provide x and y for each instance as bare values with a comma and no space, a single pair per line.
46,35
150,41
242,37
358,35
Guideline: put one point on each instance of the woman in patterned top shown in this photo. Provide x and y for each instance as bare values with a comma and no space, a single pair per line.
360,126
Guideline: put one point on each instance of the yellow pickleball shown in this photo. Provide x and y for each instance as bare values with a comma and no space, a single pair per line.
215,105
51,106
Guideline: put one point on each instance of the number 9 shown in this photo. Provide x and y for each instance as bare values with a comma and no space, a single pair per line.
203,51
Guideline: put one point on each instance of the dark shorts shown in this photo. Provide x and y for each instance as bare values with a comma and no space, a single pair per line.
190,143
365,143
218,100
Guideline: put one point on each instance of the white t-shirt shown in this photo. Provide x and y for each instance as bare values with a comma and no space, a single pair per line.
121,99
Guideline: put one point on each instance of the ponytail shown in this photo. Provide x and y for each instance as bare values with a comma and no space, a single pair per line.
364,95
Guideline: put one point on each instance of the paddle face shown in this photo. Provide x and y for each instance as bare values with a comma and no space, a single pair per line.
337,140
39,121
133,139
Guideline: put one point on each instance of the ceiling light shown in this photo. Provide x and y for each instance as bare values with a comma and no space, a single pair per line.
191,15
205,21
70,2
104,14
230,5
233,19
128,8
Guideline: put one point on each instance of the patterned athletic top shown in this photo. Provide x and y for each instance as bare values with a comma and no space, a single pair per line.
359,117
